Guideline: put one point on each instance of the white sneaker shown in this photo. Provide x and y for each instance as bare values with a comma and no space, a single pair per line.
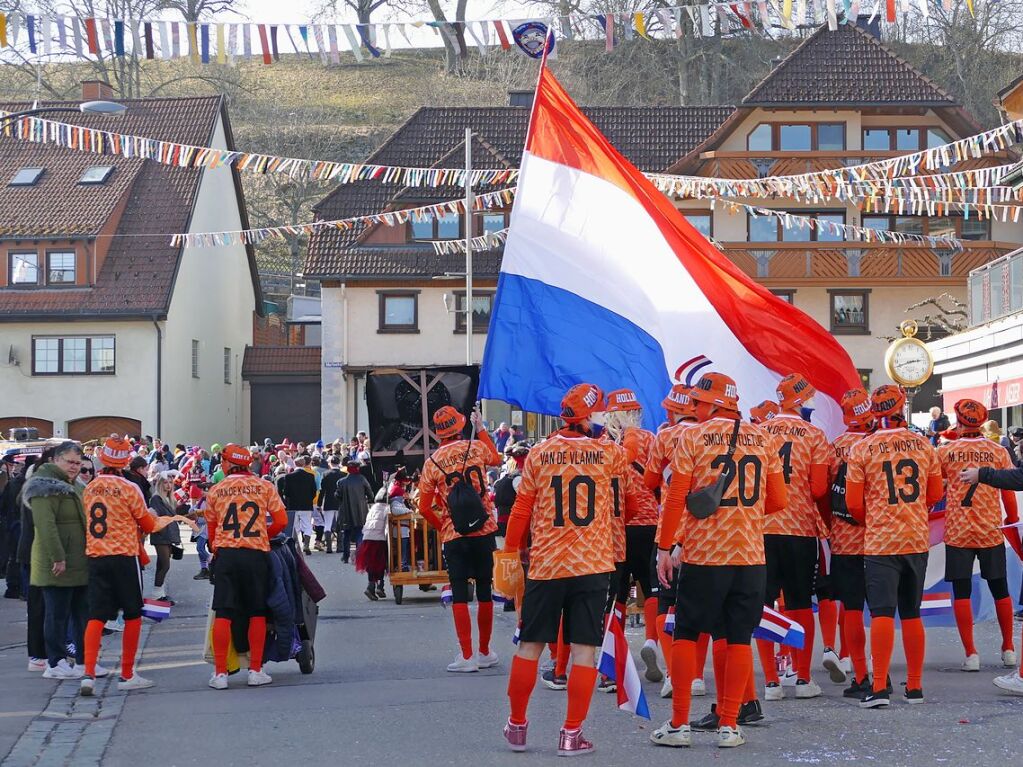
62,671
1011,683
808,689
487,661
833,665
972,663
115,625
699,688
547,665
666,735
37,664
100,671
1009,658
846,664
135,683
666,688
218,681
648,654
258,678
730,737
464,665
774,691
87,687
789,678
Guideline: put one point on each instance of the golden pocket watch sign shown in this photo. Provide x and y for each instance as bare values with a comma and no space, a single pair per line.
909,361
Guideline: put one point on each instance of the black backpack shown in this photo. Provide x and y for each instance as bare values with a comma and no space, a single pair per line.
838,507
465,506
504,491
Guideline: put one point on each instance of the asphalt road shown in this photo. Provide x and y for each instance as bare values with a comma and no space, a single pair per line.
380,695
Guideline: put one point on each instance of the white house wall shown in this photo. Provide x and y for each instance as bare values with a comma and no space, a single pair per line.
212,303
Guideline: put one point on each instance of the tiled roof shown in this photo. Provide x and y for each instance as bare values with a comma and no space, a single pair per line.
138,274
280,360
848,66
412,261
651,137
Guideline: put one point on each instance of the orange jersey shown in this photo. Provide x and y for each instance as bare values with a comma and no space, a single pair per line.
846,538
802,445
449,459
895,467
113,508
638,444
662,453
734,535
972,512
575,484
237,508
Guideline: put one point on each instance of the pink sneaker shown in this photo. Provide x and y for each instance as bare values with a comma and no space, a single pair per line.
572,743
515,734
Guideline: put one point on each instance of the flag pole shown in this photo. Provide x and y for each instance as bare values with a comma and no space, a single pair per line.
468,247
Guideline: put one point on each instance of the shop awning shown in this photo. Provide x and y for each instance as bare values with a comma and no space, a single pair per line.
1004,393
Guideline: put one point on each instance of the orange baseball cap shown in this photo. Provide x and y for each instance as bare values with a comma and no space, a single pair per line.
887,400
448,422
116,452
678,401
581,401
970,413
621,400
856,408
765,411
794,390
236,455
716,389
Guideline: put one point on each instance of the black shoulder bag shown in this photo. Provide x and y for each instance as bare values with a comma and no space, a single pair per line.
838,506
465,506
705,502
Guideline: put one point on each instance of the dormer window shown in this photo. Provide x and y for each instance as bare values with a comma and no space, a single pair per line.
96,174
26,177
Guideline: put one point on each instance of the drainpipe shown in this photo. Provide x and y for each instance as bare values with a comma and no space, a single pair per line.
159,378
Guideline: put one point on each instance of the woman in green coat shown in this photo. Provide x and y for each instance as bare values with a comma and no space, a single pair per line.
59,565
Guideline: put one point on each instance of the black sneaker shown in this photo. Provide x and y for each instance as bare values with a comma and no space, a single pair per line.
876,699
751,712
709,723
888,687
553,682
913,696
858,689
380,590
371,593
202,575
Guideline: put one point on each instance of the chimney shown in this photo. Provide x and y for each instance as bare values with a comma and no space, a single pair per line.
96,90
520,98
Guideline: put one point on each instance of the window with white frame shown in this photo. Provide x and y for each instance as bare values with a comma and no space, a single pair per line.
73,355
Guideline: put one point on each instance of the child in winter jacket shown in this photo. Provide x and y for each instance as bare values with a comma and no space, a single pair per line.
371,557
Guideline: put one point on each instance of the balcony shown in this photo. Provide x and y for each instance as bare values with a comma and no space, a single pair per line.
996,289
832,263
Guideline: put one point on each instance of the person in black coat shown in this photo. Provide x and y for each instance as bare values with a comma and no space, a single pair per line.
298,489
136,473
328,498
1003,479
354,495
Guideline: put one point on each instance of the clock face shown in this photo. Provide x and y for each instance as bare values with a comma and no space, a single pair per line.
911,362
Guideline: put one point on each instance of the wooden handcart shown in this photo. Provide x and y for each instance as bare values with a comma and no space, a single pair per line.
425,562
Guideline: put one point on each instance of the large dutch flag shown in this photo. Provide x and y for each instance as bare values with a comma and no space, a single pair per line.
604,281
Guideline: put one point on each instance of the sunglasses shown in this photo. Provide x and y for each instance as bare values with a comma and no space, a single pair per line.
87,471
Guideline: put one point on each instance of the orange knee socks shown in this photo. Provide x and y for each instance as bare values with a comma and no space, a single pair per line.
650,618
719,659
738,668
767,661
683,663
914,643
485,623
580,693
93,640
561,661
702,645
964,622
521,682
257,639
804,657
751,685
221,641
665,639
827,616
856,642
130,646
882,640
463,627
1003,609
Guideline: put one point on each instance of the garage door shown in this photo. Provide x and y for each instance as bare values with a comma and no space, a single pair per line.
17,422
101,426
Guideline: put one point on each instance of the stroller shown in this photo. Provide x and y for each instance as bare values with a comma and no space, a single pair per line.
294,594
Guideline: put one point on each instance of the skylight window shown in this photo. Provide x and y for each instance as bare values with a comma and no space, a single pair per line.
26,177
96,174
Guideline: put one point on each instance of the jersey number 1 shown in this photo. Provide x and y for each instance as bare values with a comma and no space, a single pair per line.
590,500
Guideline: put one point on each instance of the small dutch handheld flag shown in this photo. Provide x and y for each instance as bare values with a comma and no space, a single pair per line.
515,636
156,609
445,595
500,599
669,621
936,604
775,627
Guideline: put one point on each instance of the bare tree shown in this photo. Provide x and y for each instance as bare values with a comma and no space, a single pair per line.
194,10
